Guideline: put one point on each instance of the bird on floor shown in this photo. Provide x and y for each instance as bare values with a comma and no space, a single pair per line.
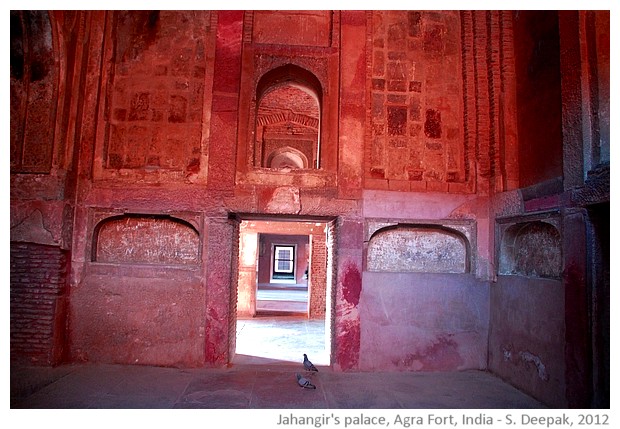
309,365
304,382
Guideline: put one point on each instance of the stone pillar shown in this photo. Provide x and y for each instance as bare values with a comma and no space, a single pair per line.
577,303
221,272
225,103
220,311
572,99
349,239
352,102
349,231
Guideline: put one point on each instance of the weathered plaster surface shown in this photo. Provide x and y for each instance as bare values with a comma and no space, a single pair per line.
423,322
526,337
138,316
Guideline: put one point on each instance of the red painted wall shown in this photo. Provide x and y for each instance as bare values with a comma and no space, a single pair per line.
423,322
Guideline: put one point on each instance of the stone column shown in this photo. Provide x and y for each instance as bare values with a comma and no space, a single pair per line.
220,311
577,303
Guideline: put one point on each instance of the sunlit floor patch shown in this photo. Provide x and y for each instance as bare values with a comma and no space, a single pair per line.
280,338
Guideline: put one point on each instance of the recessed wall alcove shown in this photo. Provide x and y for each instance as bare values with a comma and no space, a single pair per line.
530,248
287,119
417,247
288,109
145,239
141,300
528,332
287,127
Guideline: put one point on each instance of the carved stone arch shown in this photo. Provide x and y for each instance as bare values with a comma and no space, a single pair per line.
290,116
289,74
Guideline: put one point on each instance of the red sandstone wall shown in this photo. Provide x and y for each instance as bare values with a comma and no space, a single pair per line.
425,315
138,315
152,95
416,102
34,89
155,100
43,51
138,290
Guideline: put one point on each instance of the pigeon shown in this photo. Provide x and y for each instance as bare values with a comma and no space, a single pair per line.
304,382
309,365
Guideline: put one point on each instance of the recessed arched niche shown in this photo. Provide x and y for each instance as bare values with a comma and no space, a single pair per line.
146,239
287,128
418,248
531,249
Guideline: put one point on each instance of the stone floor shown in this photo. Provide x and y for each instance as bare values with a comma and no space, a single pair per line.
256,387
282,300
262,376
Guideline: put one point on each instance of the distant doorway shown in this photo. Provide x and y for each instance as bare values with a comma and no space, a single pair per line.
283,274
284,291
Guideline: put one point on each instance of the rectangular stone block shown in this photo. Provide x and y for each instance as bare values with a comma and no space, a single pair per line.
398,185
415,86
378,64
432,124
378,84
139,107
306,28
397,85
414,24
397,120
178,109
381,184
